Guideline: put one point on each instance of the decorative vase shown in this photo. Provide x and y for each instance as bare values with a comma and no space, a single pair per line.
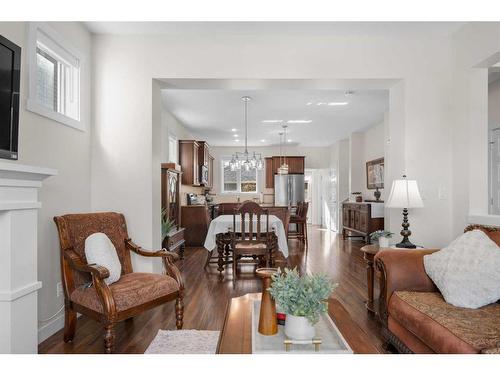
383,242
299,328
268,324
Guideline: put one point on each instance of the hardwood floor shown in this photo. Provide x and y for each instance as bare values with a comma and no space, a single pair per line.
206,297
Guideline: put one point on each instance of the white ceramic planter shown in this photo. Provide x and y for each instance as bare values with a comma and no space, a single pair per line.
299,328
383,242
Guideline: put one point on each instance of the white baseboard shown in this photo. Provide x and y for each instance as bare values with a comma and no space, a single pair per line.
47,330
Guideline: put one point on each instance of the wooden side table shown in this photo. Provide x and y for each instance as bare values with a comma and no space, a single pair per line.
369,252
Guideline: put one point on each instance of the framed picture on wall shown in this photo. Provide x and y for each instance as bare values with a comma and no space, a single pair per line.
375,174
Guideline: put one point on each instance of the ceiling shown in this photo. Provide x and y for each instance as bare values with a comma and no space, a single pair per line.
212,114
277,28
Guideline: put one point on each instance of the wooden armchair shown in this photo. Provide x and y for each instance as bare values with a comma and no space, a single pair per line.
247,243
85,290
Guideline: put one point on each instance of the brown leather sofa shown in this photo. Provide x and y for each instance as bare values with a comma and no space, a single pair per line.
416,318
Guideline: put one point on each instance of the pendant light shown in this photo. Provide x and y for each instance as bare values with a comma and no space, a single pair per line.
243,160
283,169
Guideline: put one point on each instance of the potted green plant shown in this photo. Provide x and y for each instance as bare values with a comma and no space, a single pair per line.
382,236
166,225
302,299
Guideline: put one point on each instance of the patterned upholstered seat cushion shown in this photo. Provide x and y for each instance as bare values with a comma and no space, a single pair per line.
133,289
444,327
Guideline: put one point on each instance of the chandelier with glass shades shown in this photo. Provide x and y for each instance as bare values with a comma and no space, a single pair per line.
245,160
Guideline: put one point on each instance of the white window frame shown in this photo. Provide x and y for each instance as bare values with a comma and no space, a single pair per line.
238,180
32,104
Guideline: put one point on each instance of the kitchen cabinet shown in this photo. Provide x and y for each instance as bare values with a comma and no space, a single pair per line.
189,161
203,153
357,218
196,219
211,165
269,173
296,165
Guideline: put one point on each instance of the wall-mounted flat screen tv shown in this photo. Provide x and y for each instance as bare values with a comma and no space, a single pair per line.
10,72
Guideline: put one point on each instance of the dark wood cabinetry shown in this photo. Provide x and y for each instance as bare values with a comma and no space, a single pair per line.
357,219
196,219
296,165
188,159
171,208
211,166
203,153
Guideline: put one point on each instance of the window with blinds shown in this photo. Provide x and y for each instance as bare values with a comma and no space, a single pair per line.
54,77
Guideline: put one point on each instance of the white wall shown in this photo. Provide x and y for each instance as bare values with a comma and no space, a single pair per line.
365,146
494,103
123,136
44,142
475,47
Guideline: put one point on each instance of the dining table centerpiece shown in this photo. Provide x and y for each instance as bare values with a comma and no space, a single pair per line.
303,299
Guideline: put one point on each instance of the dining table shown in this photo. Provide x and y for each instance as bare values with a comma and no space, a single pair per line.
223,224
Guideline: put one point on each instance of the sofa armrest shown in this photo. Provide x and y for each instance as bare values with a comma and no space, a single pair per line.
402,270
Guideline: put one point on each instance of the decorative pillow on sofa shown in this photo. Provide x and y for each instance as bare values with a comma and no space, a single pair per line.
467,272
100,250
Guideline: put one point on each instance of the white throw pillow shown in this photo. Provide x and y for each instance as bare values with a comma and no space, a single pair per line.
467,272
100,250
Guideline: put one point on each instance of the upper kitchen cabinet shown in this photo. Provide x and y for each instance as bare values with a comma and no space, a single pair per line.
296,165
211,171
203,153
189,160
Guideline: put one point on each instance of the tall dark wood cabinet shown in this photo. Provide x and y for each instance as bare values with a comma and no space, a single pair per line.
357,219
189,161
171,206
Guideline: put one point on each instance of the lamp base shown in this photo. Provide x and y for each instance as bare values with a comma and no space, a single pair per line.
405,242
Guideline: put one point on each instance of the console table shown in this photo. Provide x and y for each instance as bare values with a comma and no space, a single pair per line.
362,219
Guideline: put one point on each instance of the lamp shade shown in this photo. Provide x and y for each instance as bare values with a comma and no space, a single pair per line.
404,194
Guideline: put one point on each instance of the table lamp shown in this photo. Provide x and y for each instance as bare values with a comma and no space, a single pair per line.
404,194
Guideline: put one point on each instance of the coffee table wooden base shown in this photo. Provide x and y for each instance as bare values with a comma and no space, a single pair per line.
236,335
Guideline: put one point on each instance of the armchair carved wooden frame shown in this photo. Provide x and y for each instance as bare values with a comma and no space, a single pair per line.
85,289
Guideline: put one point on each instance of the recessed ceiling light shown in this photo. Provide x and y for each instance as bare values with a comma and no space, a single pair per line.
299,121
233,130
235,135
337,103
289,140
309,103
272,121
236,140
262,140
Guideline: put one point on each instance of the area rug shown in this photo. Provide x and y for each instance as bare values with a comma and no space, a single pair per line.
189,341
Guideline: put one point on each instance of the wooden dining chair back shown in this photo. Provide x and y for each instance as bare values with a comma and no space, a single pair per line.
300,219
252,239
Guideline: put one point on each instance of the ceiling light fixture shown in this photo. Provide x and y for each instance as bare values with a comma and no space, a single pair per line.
337,103
233,129
243,160
299,121
309,103
235,135
262,140
283,168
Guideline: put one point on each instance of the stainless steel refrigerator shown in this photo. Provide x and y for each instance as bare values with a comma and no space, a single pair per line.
288,189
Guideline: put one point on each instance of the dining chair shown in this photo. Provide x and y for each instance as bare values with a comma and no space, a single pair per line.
251,240
300,219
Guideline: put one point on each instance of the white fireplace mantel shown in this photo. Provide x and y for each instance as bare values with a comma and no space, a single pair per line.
19,283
